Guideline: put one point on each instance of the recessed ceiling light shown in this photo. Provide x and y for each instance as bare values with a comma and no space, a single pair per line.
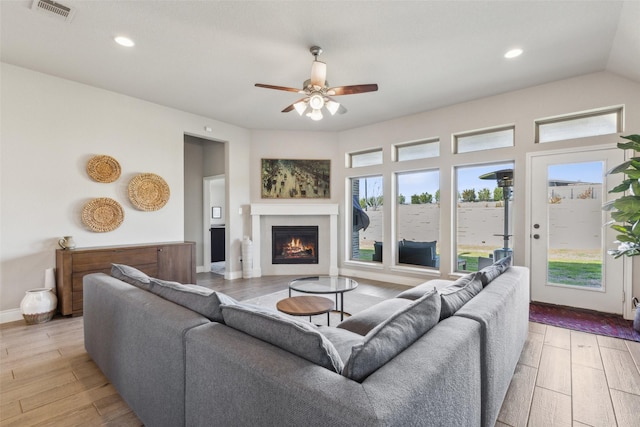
124,41
513,53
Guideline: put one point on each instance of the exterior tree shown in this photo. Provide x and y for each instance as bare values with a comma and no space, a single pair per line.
421,199
374,202
484,195
402,200
497,193
469,195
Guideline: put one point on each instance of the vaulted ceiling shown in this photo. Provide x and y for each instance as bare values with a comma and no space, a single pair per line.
205,56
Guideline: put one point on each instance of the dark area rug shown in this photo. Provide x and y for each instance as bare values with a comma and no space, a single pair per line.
594,322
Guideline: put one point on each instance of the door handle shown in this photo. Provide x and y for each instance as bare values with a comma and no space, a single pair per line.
536,236
536,226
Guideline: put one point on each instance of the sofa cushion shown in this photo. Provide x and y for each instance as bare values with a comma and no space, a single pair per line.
392,336
342,339
197,298
492,271
297,337
459,293
361,323
420,290
131,275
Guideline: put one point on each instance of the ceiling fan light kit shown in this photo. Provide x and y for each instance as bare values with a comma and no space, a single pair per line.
318,93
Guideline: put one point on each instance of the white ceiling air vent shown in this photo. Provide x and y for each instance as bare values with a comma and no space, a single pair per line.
53,9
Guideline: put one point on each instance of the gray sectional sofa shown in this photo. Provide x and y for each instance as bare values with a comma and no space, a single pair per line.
177,367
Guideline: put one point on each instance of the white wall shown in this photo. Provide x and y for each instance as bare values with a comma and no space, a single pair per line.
50,128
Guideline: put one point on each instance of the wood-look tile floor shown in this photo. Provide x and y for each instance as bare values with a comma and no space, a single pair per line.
563,378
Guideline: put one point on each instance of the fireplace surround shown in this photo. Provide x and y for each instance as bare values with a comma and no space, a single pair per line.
265,215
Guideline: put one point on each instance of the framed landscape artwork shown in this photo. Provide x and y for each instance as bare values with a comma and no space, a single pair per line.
295,179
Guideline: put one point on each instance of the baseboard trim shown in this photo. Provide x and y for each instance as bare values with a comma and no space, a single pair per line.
11,315
232,275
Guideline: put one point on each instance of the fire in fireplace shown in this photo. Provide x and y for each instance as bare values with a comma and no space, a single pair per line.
294,244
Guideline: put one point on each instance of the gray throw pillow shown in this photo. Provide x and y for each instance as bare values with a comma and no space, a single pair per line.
297,337
131,275
459,293
494,270
393,336
363,322
420,290
342,339
202,300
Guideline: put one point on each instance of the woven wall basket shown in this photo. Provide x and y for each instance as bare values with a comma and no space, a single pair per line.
102,215
103,168
148,192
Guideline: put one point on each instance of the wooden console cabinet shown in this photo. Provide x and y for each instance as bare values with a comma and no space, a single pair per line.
174,261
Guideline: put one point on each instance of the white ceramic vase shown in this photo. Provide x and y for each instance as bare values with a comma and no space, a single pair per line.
247,258
38,305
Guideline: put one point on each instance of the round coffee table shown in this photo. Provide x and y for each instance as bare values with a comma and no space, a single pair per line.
307,305
325,285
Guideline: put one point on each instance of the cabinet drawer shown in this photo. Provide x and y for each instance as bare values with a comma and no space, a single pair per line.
76,302
101,260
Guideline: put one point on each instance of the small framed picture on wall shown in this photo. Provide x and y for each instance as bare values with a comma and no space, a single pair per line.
216,212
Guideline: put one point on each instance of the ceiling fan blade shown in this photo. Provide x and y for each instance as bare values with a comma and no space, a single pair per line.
350,90
288,89
292,106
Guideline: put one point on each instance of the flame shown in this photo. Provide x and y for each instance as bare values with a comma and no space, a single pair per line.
296,246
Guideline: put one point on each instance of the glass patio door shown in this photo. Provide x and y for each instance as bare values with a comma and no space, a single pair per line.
569,261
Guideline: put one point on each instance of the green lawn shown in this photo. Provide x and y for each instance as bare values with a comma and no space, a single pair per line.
366,254
576,273
581,273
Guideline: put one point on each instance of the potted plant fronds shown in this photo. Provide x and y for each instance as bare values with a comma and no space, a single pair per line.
625,211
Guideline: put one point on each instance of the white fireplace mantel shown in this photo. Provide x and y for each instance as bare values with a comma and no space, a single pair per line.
259,210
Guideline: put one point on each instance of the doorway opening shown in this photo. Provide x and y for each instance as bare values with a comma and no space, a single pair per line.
213,196
204,163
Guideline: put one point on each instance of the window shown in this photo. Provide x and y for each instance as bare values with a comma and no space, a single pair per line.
367,218
366,158
480,214
484,140
417,150
579,126
418,218
575,245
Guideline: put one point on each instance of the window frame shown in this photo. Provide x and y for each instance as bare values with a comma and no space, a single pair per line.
395,218
364,152
618,110
349,225
426,141
455,137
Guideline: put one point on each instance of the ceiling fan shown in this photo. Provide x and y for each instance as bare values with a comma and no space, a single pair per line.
317,92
